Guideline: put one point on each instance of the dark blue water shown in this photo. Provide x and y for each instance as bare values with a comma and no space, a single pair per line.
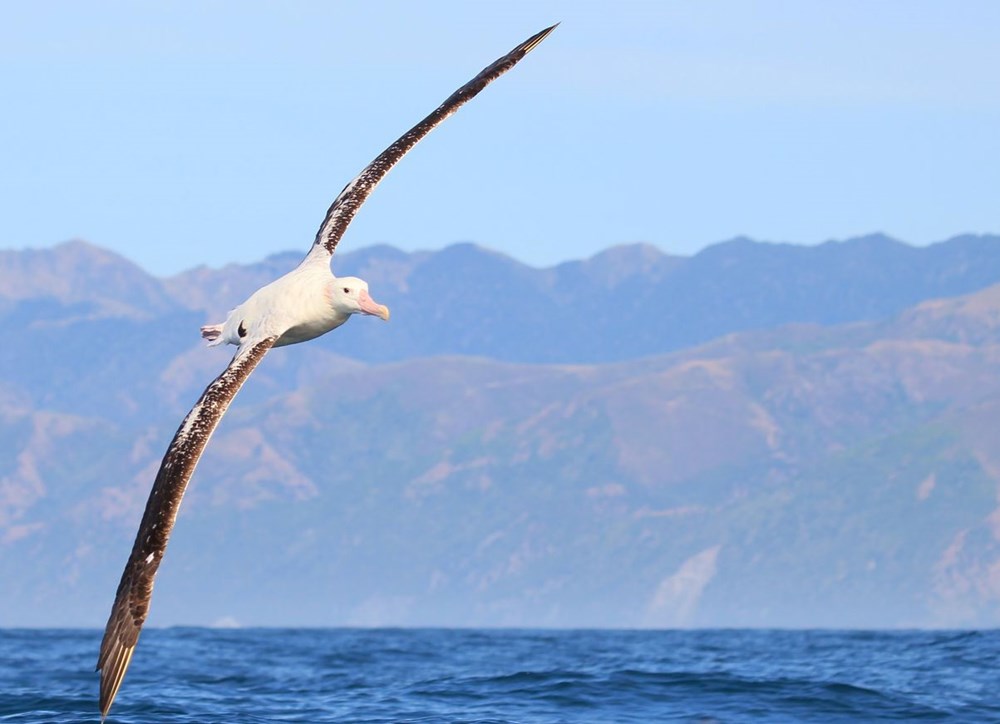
388,675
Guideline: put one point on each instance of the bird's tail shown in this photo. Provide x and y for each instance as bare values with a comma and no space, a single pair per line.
213,333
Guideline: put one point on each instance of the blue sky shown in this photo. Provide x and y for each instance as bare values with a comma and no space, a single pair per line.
186,133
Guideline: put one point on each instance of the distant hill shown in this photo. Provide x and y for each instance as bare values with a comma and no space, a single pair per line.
624,303
627,302
838,470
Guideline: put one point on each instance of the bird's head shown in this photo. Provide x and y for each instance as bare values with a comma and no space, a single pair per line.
350,296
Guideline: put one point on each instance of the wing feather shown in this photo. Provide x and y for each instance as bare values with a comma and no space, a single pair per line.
347,203
136,587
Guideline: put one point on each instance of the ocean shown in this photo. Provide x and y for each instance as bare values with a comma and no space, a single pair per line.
525,676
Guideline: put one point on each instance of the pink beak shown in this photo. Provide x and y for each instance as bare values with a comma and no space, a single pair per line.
370,306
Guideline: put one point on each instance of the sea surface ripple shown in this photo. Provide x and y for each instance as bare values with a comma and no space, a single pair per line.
495,676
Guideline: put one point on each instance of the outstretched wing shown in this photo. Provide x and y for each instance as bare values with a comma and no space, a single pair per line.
346,205
136,587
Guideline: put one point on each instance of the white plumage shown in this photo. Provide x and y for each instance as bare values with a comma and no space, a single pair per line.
307,302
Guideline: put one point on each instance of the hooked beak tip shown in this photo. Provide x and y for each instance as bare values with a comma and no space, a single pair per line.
367,305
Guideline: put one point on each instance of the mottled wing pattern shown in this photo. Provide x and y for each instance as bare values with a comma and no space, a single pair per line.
346,205
136,587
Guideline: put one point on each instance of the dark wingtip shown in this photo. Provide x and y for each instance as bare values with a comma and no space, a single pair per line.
112,674
529,44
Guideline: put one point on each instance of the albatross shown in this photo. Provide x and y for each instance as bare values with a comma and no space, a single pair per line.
307,302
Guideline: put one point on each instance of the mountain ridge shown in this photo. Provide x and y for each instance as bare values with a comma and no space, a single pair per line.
806,474
469,300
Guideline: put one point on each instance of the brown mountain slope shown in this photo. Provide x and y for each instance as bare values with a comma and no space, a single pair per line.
800,476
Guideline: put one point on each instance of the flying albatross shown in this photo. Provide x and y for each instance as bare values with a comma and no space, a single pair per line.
307,302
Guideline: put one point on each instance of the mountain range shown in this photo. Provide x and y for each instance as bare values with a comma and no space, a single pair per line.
757,435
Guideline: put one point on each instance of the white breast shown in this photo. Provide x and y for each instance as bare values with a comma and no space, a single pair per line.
295,307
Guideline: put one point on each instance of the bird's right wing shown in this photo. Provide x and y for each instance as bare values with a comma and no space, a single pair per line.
136,587
347,203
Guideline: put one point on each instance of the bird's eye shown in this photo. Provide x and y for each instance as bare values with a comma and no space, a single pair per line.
241,330
347,290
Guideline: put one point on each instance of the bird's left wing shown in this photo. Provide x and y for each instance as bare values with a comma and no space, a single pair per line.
347,203
136,587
